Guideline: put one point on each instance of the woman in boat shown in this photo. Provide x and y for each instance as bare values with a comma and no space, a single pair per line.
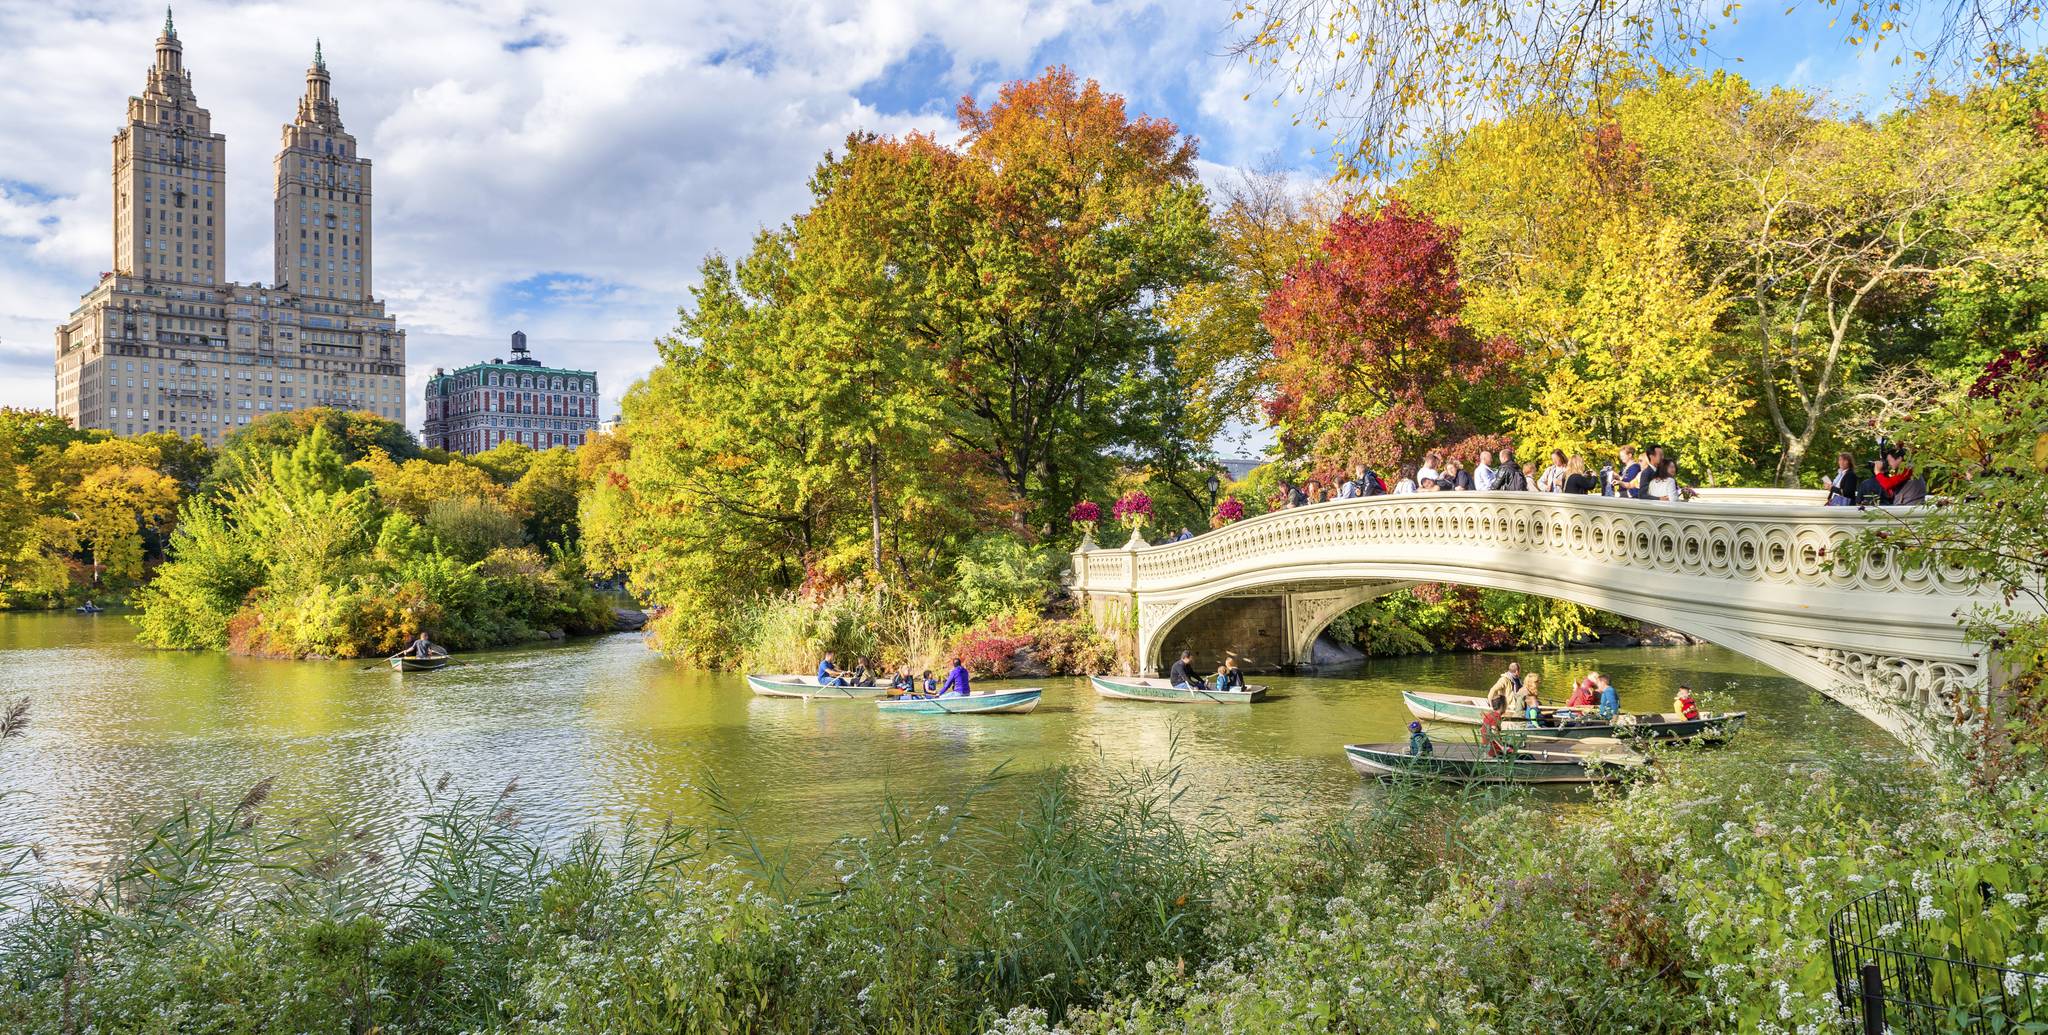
1526,703
861,674
956,680
1582,695
1418,742
1684,705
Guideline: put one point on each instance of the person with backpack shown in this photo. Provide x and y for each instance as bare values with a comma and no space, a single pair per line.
1510,477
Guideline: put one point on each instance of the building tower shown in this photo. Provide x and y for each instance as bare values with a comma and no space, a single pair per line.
170,184
323,199
163,342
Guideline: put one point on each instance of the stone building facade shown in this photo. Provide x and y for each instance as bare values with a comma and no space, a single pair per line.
165,342
518,400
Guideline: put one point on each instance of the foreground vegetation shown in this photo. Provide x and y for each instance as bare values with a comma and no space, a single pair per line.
1694,903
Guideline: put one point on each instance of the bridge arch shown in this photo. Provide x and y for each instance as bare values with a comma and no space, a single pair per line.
1748,570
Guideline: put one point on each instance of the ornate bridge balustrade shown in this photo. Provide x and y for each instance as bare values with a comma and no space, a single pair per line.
1750,570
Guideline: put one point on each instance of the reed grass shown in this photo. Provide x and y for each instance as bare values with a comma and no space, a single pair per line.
1105,899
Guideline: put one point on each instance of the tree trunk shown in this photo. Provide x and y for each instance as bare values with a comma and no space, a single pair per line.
874,513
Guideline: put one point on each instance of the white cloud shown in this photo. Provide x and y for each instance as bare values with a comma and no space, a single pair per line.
605,145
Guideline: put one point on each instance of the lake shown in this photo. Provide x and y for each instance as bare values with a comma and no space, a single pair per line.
598,731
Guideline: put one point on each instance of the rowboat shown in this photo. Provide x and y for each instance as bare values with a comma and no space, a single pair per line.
1534,760
1649,726
1133,689
1562,723
409,663
808,687
993,702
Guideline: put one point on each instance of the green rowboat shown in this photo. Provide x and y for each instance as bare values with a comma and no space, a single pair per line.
1535,760
1134,689
807,688
1647,726
994,702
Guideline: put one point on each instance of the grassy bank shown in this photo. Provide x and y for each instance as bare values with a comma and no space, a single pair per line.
1696,902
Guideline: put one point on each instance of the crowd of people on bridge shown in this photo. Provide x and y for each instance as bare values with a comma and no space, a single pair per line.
1652,477
1651,474
1891,481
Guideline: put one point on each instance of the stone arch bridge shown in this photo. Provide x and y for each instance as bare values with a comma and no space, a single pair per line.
1746,569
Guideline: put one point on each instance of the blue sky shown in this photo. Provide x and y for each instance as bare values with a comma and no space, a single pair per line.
563,168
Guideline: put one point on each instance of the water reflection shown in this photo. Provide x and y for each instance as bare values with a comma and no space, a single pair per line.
598,731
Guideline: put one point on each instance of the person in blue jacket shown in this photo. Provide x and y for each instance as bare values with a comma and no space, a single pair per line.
1610,699
956,680
1418,741
830,674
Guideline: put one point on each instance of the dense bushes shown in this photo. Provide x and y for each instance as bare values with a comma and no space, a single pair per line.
1696,902
304,556
1435,617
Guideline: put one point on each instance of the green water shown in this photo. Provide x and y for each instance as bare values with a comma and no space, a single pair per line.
602,729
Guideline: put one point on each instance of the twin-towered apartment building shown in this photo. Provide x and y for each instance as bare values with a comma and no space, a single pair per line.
165,342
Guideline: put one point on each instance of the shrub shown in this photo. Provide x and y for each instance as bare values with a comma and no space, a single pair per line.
1000,574
989,649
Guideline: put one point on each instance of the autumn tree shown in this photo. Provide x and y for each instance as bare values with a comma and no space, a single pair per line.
1381,77
1044,262
1811,218
1372,361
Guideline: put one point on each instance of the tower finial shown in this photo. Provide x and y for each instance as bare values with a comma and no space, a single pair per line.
169,29
318,61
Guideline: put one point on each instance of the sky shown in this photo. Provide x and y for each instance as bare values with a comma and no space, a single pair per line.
563,168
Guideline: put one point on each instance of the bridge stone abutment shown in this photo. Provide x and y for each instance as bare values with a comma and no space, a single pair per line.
1750,570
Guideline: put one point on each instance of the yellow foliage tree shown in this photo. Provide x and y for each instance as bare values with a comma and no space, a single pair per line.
1644,364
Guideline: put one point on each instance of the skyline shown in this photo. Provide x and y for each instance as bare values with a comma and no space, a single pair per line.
625,142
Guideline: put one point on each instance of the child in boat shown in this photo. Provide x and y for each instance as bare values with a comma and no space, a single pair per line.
1610,699
1685,705
1233,677
1418,742
1489,734
931,686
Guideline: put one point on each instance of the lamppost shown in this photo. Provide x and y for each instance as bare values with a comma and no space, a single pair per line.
1213,486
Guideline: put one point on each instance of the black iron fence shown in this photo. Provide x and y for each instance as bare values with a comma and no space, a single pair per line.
1891,977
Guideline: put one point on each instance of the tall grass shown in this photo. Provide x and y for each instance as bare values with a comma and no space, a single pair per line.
789,633
1103,900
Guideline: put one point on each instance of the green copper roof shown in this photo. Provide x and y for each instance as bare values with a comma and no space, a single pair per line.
169,29
318,61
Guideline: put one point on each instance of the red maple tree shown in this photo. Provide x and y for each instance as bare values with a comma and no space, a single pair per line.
1372,362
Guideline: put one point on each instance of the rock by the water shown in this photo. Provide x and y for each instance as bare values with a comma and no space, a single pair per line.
628,620
1026,664
1329,653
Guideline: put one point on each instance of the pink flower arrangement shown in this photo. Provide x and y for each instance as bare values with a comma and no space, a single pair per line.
1229,510
1085,513
1133,510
